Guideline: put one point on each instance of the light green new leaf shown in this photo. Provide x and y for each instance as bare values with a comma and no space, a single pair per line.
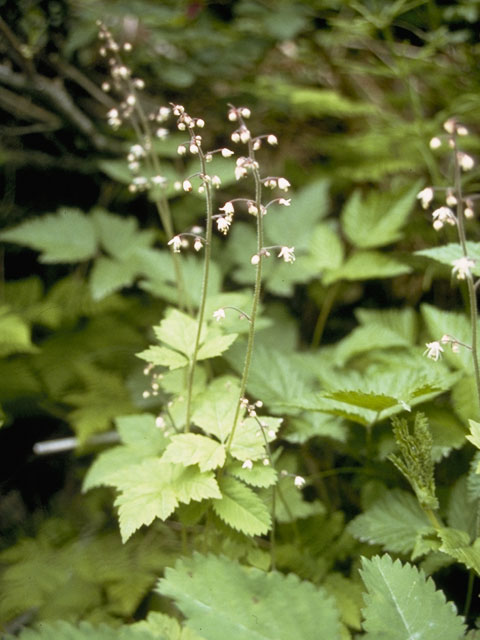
163,626
192,448
376,220
457,544
260,475
153,489
248,442
163,357
402,604
241,508
14,334
220,599
403,322
454,324
474,436
367,265
66,236
394,521
86,631
371,401
366,339
216,408
178,331
325,248
216,346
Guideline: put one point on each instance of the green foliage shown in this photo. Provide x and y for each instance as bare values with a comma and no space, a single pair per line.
220,600
391,603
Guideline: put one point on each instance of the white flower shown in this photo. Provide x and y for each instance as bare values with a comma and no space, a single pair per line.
271,139
435,143
461,130
226,153
245,112
161,133
425,196
187,185
287,253
227,208
216,181
232,115
299,481
181,149
235,137
219,314
283,184
462,267
244,134
442,215
198,244
193,148
434,350
200,123
284,202
159,422
176,241
465,161
223,224
255,259
248,464
449,125
451,200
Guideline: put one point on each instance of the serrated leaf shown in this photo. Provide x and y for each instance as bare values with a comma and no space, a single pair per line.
376,220
260,475
67,236
85,631
14,334
394,521
366,339
163,357
402,322
216,408
371,401
192,448
220,599
120,236
454,324
457,544
367,265
241,508
153,489
392,609
216,346
474,436
178,331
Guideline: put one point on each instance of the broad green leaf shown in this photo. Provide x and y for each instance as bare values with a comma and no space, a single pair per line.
67,236
216,346
163,626
474,436
178,331
367,265
248,441
153,489
401,603
290,505
465,398
241,508
293,225
220,599
403,322
325,250
394,521
216,408
260,475
457,544
371,401
348,598
109,275
192,448
366,339
86,631
120,236
14,334
377,220
453,251
163,357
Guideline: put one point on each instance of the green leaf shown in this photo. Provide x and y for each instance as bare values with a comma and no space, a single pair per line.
325,248
67,236
377,220
402,322
453,251
14,334
260,475
394,521
474,436
457,544
293,225
372,401
241,508
216,408
85,631
120,236
457,325
213,347
178,331
192,448
109,275
220,599
163,357
153,489
367,265
402,603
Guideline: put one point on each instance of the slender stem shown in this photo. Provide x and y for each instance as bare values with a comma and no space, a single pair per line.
255,302
468,598
204,289
472,298
324,313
